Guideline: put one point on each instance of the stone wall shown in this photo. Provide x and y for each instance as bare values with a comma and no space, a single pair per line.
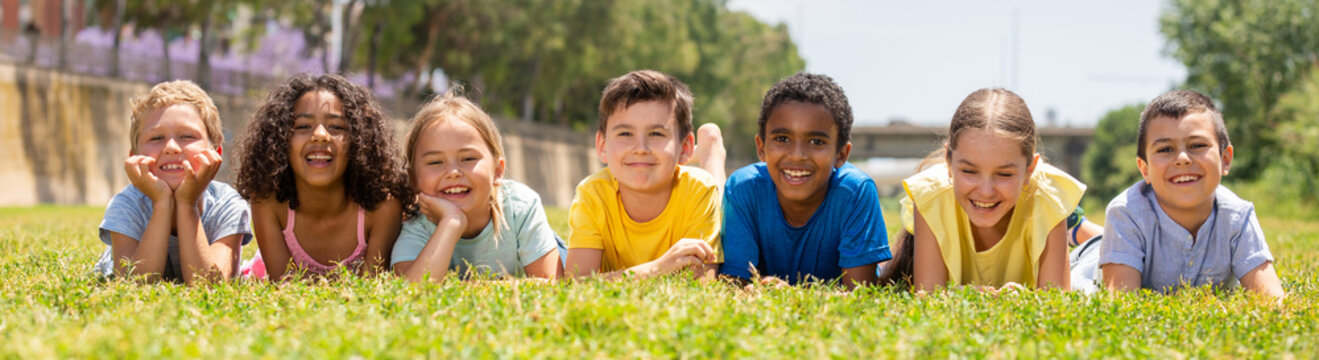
64,137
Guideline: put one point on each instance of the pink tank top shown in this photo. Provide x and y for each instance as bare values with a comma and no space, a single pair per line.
301,259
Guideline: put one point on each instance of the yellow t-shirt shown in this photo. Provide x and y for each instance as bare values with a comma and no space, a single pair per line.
1048,198
599,221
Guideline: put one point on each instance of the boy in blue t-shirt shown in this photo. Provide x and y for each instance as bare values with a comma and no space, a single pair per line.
803,213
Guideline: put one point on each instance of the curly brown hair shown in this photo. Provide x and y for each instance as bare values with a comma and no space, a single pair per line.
375,171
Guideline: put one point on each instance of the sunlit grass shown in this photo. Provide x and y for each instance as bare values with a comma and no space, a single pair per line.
52,307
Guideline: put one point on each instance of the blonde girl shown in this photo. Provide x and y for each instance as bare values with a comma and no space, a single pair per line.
988,212
475,220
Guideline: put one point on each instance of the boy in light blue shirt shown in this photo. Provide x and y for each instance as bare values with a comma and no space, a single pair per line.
1179,226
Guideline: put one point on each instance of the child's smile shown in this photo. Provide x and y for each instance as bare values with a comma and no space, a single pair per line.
452,161
642,146
800,149
318,148
172,135
1184,164
988,172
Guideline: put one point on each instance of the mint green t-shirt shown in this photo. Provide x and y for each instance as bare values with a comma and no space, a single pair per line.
527,237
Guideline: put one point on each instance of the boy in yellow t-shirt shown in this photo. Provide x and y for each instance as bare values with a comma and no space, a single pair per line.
646,214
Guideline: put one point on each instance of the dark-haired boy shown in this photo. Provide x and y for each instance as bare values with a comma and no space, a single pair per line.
646,214
1179,226
803,212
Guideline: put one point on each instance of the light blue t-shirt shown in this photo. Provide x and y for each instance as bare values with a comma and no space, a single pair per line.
1139,234
847,230
224,213
527,237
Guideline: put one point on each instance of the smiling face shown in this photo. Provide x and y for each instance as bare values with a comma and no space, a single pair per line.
1183,162
642,146
988,171
800,149
318,149
453,162
172,135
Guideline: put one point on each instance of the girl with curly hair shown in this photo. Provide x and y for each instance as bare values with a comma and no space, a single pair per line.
475,219
321,171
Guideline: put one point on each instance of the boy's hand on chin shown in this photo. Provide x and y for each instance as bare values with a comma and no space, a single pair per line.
437,208
198,173
138,168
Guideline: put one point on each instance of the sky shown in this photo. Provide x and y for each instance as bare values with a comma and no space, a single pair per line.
915,61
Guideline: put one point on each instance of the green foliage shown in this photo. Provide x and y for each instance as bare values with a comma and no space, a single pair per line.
53,308
548,60
1298,163
1110,162
1245,54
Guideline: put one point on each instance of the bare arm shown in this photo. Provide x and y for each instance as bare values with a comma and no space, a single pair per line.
1118,277
859,276
147,255
270,237
435,257
928,270
1055,270
546,266
693,253
197,255
386,222
1264,280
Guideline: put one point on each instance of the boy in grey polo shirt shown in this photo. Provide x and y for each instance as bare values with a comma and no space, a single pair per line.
1180,227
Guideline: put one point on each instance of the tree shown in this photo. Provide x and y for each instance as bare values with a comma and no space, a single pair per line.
1110,161
1298,163
1246,54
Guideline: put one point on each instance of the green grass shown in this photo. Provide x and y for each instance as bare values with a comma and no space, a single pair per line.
51,307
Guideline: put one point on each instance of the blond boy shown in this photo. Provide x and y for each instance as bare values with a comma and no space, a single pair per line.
174,222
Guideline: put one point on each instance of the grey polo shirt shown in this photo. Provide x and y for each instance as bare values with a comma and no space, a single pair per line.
1139,234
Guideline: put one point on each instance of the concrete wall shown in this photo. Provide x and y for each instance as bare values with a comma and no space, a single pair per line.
64,137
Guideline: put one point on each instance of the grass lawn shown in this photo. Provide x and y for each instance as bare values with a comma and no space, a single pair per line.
51,307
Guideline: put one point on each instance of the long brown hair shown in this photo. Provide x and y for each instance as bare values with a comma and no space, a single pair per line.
992,109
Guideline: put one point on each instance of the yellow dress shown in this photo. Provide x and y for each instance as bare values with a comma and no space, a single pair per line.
1046,201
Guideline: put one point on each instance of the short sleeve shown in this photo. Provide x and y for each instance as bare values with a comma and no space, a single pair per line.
125,214
412,238
1123,242
741,252
864,238
229,214
535,238
586,220
1249,250
706,216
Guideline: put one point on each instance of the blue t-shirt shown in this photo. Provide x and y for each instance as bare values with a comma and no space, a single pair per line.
224,213
1139,234
847,230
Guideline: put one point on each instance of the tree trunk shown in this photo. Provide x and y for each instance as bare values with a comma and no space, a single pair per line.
371,56
116,26
424,59
349,37
164,41
204,50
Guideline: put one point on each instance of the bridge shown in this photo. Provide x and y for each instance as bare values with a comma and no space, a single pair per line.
1062,146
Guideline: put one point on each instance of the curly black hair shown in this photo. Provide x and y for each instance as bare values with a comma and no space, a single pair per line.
375,171
810,88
